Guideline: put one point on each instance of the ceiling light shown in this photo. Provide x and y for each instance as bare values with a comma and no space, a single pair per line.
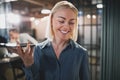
9,0
32,19
88,16
45,11
99,5
94,16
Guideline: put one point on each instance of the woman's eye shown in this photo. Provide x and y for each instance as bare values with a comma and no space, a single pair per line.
71,23
61,21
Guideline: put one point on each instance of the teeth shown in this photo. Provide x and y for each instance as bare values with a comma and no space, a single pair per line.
64,32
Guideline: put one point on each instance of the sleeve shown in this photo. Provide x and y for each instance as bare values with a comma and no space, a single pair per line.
32,72
84,70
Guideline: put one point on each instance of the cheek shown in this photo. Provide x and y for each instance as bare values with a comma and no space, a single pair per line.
55,26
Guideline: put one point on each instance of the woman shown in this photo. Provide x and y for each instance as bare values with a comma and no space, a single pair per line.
59,57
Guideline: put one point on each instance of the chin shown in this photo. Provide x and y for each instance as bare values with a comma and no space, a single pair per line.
65,39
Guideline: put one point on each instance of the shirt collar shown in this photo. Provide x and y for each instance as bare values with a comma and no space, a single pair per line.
71,43
47,43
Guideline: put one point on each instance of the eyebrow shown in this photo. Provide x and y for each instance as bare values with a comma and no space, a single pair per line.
64,18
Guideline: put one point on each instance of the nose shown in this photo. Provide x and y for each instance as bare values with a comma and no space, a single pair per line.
66,26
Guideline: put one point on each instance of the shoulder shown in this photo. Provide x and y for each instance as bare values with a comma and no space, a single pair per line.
79,49
43,44
39,47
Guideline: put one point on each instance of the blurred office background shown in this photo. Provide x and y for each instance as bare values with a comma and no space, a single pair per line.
31,16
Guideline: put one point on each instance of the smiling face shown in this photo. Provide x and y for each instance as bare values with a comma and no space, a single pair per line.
63,23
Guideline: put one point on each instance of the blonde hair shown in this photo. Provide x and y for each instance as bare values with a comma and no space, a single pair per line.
62,4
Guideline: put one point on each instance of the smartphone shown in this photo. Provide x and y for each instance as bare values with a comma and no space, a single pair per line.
15,45
25,45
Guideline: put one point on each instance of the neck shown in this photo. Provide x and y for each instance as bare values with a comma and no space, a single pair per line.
59,43
58,46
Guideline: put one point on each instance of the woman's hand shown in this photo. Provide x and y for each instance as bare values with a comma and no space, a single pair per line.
25,54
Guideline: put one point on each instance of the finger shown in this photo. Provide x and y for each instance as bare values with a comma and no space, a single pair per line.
29,42
18,43
27,51
31,51
20,51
